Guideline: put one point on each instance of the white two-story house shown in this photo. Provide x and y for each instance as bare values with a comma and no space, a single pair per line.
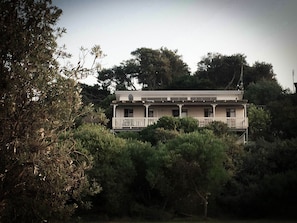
135,110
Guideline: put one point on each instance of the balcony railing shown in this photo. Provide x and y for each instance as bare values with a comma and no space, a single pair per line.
142,122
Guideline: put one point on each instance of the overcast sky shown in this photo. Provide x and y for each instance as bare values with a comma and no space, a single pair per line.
263,30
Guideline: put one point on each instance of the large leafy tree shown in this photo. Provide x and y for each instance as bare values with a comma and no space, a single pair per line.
223,71
158,68
230,72
152,69
41,175
121,77
283,116
113,167
263,186
260,71
190,169
263,92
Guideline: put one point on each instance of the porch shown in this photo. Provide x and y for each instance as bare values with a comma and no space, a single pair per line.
137,123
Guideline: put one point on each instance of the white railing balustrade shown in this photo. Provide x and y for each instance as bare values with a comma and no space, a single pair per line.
142,122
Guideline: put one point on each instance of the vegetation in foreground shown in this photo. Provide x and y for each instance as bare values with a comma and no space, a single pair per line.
58,158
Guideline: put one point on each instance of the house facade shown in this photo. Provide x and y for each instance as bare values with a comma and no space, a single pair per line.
135,110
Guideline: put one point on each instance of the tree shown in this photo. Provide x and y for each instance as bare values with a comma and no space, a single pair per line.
153,69
259,122
222,71
120,77
283,116
113,167
218,128
190,82
93,94
191,168
158,68
260,71
263,186
263,92
42,175
167,128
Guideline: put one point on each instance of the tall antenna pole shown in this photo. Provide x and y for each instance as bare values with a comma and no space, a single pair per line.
241,76
240,81
293,81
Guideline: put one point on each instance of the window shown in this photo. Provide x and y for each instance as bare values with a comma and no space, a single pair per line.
230,112
150,112
128,112
208,112
184,113
175,113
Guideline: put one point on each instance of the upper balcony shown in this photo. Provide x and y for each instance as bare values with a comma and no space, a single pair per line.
137,123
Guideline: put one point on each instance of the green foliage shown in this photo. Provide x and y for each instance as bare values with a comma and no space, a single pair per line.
264,186
93,94
154,69
260,71
283,116
113,168
259,122
142,195
128,135
222,71
168,127
188,124
169,123
92,115
219,71
164,129
190,82
190,165
121,76
157,68
42,174
263,92
218,128
163,135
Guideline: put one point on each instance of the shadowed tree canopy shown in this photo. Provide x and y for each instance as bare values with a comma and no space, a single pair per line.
283,116
224,72
121,77
158,68
191,167
41,176
260,71
93,94
263,92
153,69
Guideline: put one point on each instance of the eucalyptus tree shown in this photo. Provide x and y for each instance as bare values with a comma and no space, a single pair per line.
229,72
223,71
41,171
158,68
150,68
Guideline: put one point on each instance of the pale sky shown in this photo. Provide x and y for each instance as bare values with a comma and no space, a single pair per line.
262,30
